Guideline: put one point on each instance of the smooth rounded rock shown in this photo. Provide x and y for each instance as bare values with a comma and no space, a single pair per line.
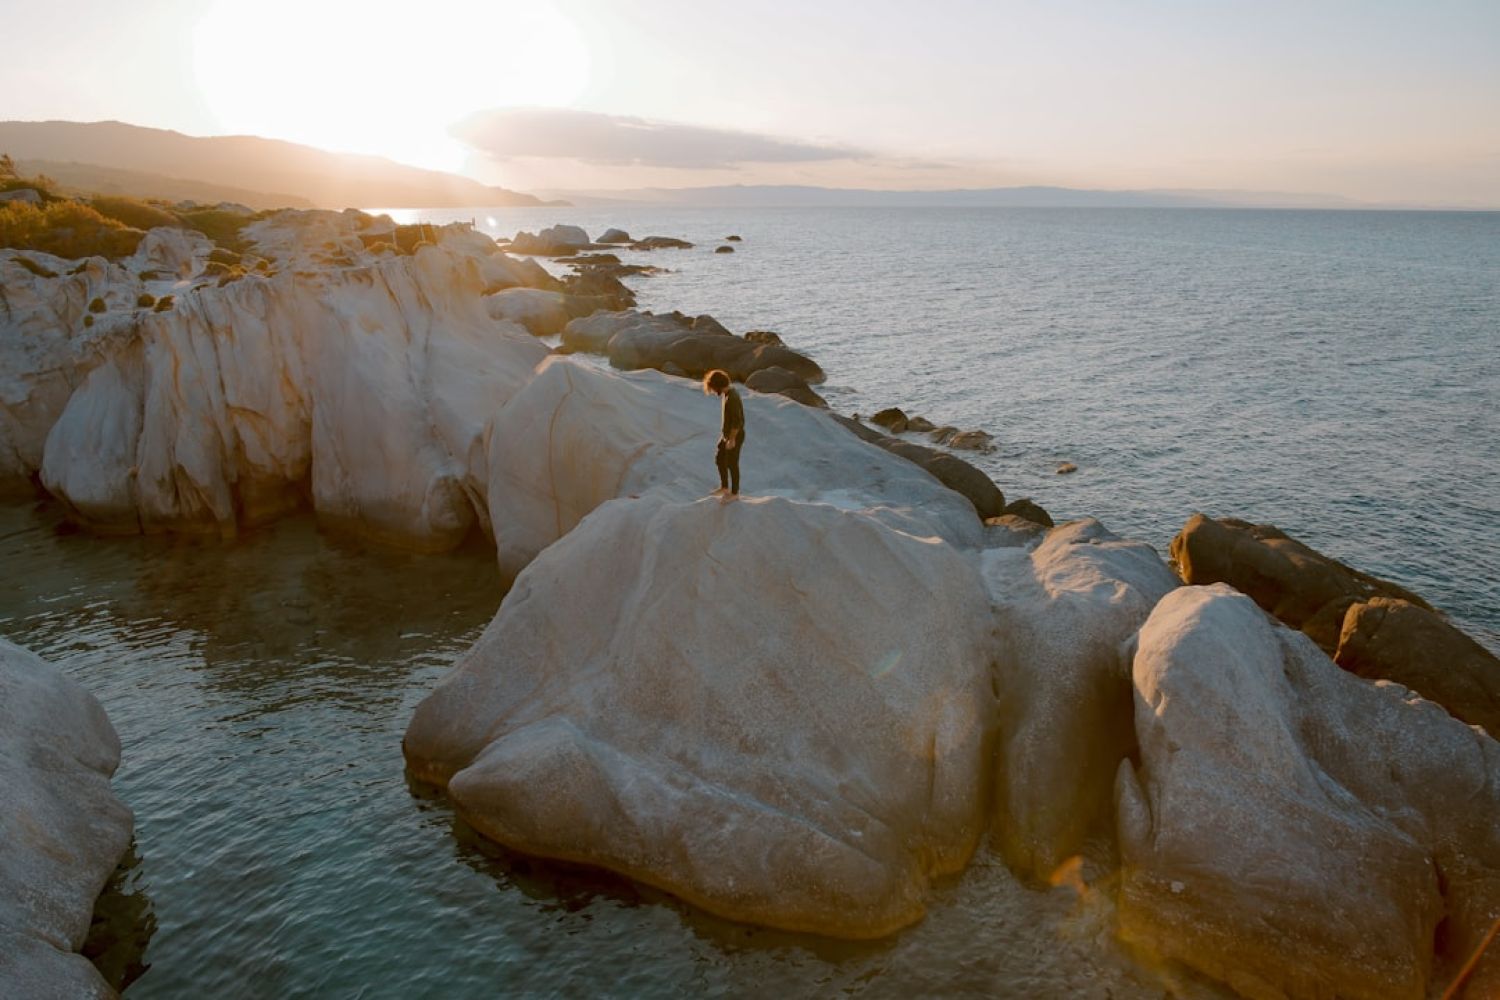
753,714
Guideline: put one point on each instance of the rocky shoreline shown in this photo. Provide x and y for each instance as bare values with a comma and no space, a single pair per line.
801,708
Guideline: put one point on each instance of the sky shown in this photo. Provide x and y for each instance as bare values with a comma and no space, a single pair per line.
1370,100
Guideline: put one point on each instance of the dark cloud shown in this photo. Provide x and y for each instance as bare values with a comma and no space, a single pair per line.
559,133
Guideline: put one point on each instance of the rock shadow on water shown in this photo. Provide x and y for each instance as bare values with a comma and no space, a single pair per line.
1046,940
123,924
283,613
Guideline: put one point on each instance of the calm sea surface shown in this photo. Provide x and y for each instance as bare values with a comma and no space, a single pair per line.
1334,373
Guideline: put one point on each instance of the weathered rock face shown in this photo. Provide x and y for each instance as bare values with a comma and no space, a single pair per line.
177,253
633,341
364,390
1383,638
578,435
45,348
1063,609
950,470
615,236
1292,828
806,758
1301,587
62,830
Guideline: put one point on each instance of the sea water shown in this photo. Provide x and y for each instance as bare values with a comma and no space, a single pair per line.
1333,373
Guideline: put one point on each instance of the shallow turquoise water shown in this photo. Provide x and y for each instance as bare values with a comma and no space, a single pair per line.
260,690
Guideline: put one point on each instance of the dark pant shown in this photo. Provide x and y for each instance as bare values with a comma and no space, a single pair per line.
728,461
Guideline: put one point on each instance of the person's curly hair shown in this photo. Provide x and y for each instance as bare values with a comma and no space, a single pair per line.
715,381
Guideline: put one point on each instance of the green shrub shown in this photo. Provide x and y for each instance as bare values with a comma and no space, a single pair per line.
97,306
163,304
136,214
65,229
145,300
88,320
220,226
35,268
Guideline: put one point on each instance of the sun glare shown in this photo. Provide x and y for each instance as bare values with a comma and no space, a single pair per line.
382,77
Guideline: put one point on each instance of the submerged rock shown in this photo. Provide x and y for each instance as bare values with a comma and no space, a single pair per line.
1063,608
577,436
1303,588
754,714
661,243
1294,829
62,829
972,441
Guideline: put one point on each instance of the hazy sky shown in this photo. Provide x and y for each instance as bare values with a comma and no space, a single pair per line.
1371,100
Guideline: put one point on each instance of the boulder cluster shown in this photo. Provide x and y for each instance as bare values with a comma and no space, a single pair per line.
798,708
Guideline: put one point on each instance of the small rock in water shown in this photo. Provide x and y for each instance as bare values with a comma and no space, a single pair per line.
661,243
732,239
1030,510
891,418
1065,468
920,425
943,434
615,236
971,441
724,249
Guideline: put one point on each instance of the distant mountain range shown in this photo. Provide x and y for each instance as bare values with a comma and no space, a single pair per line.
116,158
792,196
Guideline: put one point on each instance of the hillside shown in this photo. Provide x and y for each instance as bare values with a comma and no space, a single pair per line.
259,172
1033,196
85,178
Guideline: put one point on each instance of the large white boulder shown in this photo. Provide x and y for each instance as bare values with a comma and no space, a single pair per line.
366,390
62,829
779,711
578,435
1063,608
1294,829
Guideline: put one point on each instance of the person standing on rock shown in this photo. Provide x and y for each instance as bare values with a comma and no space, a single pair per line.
731,432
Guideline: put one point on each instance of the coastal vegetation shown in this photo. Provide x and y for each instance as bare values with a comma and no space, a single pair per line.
47,218
65,228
